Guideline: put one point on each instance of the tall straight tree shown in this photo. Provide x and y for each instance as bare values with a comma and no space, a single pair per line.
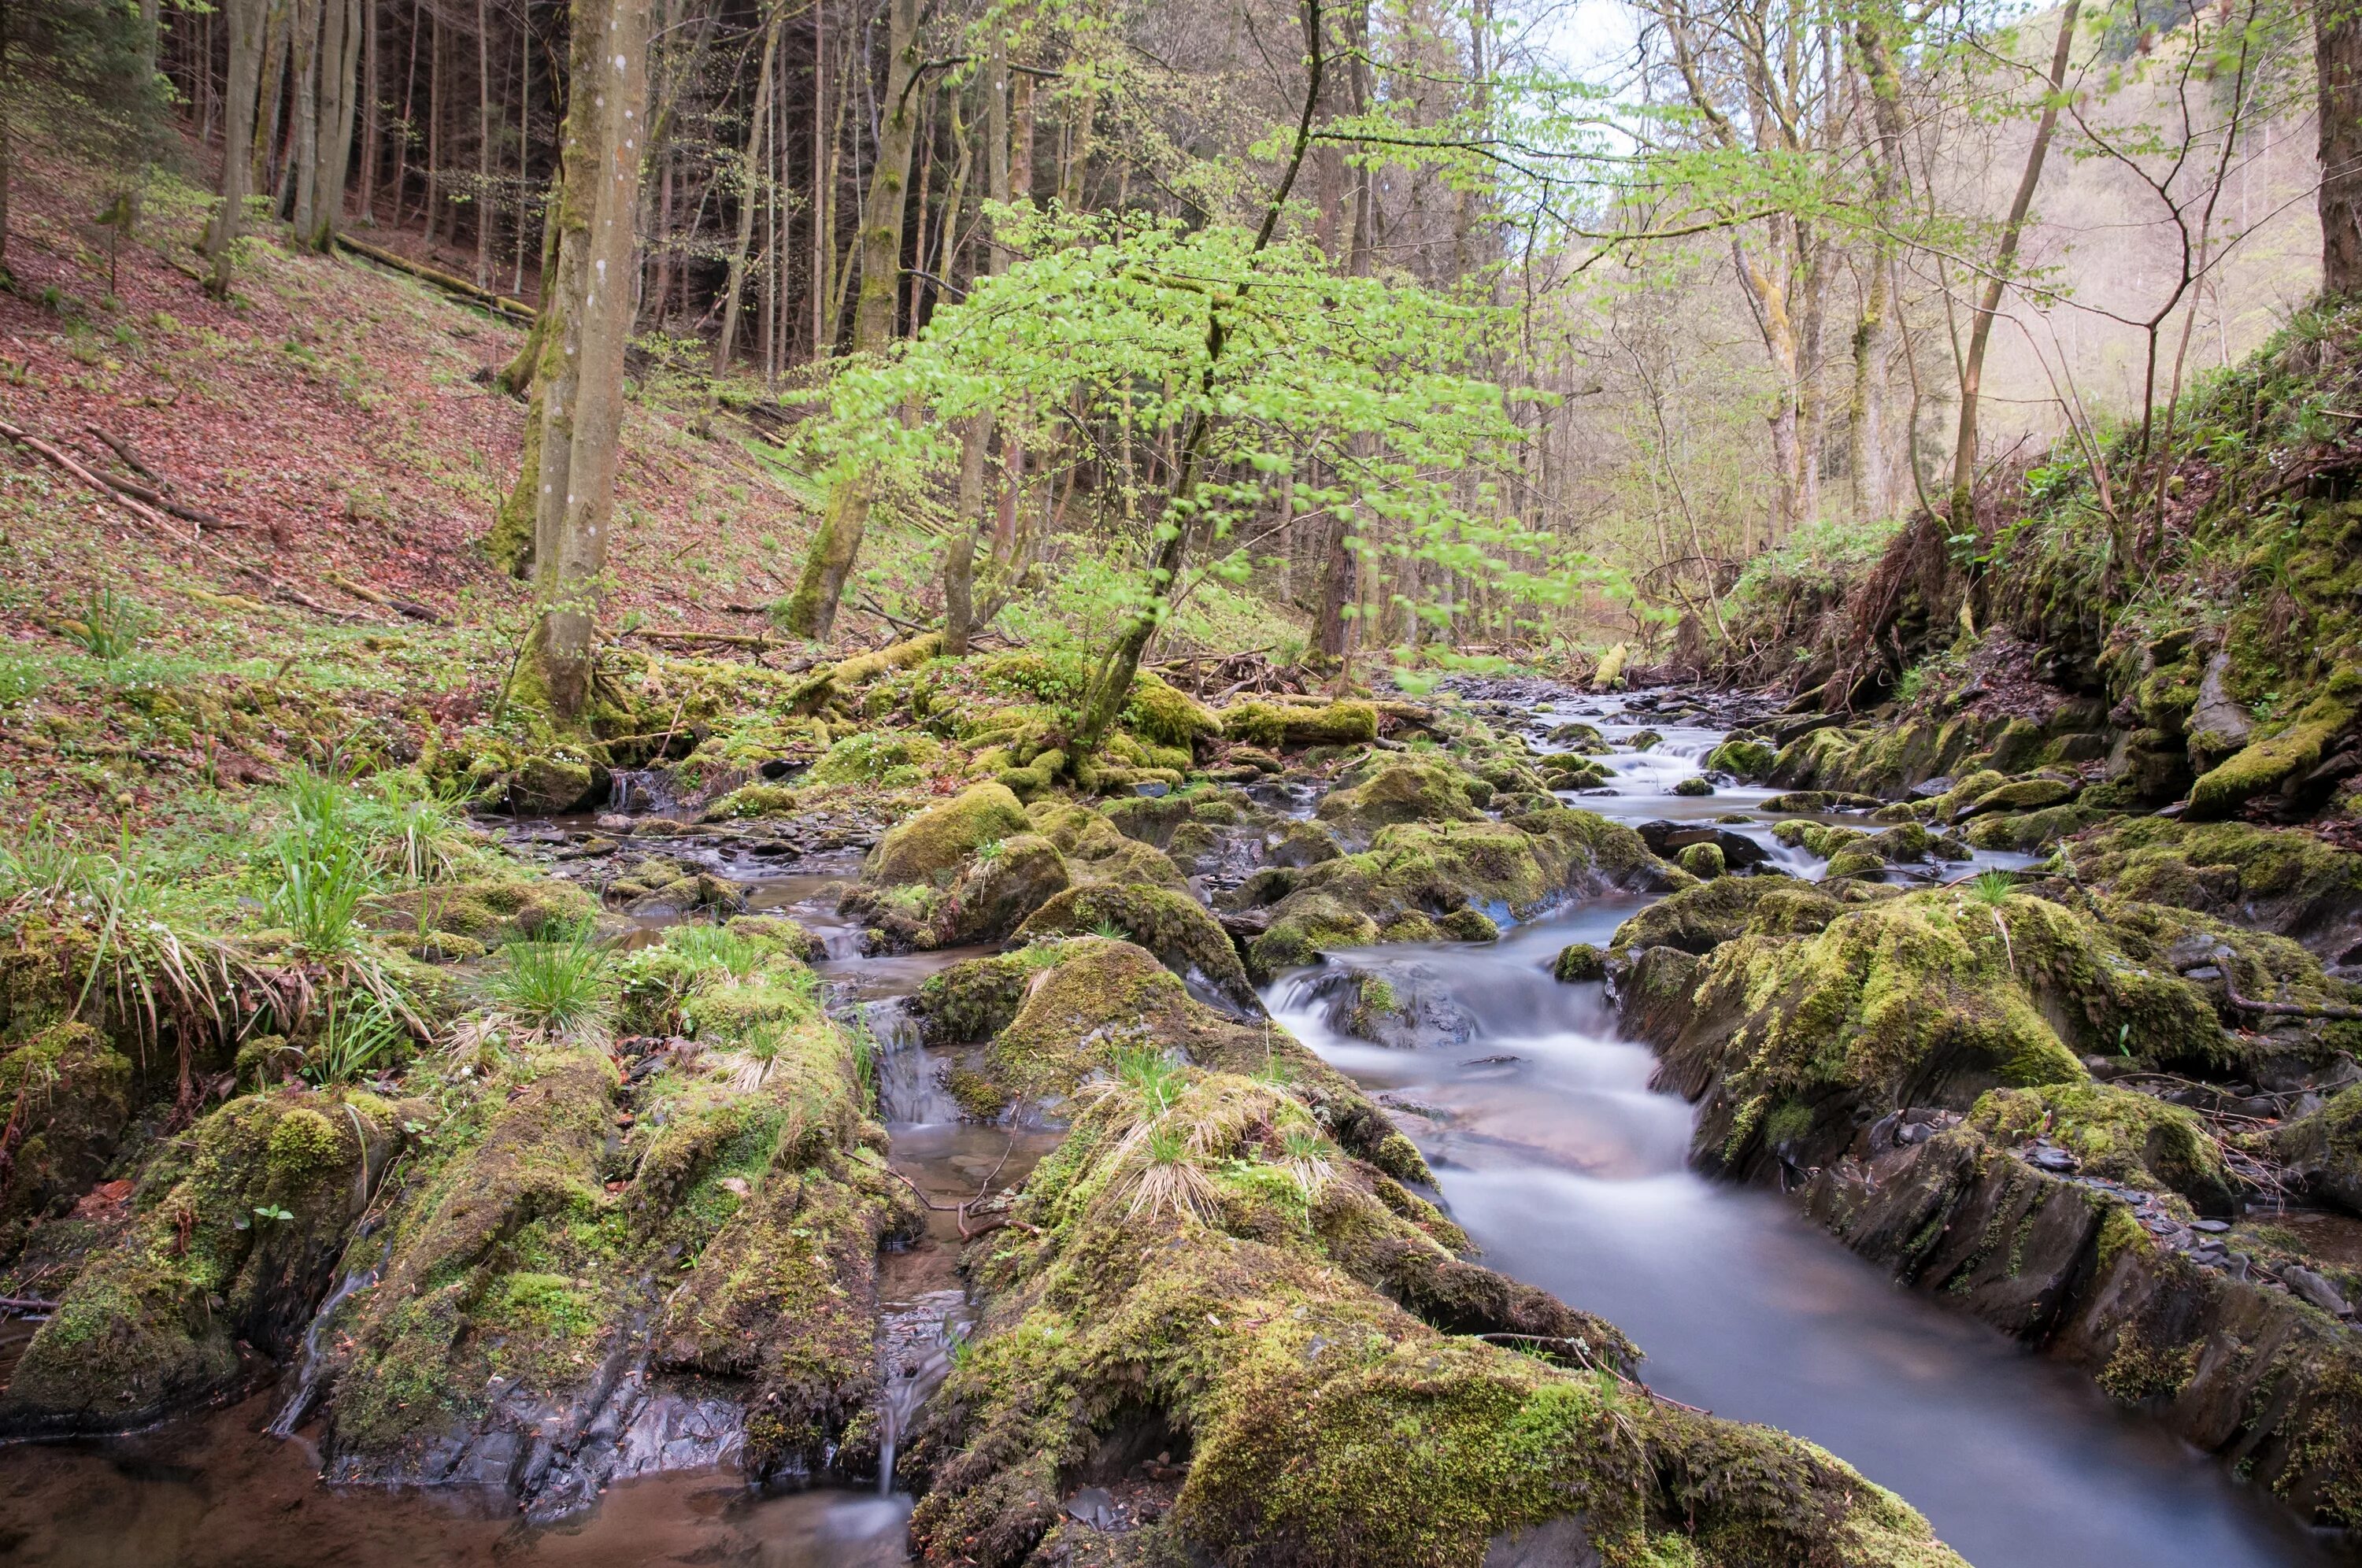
246,21
580,380
751,181
2337,52
811,609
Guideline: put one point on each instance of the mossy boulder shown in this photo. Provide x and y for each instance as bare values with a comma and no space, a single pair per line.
2020,795
68,1093
1399,792
1293,725
2264,766
1174,926
235,1239
2282,880
1160,712
1925,999
2322,1151
889,759
2119,1134
1197,1306
938,840
1703,861
1096,850
1699,918
1578,962
488,909
1742,758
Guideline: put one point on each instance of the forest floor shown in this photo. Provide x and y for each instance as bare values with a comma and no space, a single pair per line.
336,421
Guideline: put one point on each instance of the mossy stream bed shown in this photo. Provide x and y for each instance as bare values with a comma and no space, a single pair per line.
1552,1150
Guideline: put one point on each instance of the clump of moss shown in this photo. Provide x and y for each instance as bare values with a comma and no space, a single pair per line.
1400,792
2280,879
237,1237
2264,766
1171,925
2118,1134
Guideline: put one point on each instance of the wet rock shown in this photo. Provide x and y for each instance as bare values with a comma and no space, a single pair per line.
1667,839
1579,962
2307,1285
1693,786
1403,1007
1703,861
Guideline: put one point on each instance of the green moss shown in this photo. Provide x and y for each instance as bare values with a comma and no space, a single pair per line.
1703,861
1400,792
2267,765
2117,1133
68,1092
895,759
1291,725
1742,758
1160,714
938,839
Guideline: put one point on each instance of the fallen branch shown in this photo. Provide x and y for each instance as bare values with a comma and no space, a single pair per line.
498,303
138,509
371,595
122,450
724,639
2286,1009
26,1304
163,502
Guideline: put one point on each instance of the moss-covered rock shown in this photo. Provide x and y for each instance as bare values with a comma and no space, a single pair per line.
235,1239
1927,998
1703,861
2282,880
1161,713
68,1094
1225,1290
2323,1151
1292,725
1743,759
488,909
1399,792
2264,766
1170,924
1578,962
2118,1135
716,1219
939,839
1698,919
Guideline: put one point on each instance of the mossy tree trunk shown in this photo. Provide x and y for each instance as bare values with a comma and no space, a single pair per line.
581,383
2337,52
811,609
1111,681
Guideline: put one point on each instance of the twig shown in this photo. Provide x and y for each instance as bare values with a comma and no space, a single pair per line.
372,596
131,504
26,1304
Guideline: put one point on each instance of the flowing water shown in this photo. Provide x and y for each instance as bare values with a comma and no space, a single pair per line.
1551,1149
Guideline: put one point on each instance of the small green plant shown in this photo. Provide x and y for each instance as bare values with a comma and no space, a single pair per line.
1992,889
109,626
750,1063
561,991
990,851
1154,1079
272,1211
420,832
1304,1155
713,946
362,1032
320,883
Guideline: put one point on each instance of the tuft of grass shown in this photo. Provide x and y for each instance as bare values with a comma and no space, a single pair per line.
1169,1178
362,1032
1305,1156
559,990
1992,889
109,625
420,832
712,946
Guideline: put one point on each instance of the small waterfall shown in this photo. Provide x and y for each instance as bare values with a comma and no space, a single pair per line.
307,1381
907,1087
639,792
916,1340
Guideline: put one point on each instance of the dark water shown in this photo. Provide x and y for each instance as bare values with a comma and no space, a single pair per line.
1562,1164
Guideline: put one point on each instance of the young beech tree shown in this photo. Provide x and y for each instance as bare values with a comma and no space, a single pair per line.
1197,370
580,382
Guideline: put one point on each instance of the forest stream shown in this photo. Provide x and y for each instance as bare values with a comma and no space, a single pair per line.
1550,1148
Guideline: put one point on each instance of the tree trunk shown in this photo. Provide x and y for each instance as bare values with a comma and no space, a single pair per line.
1972,368
333,140
811,609
1111,685
304,84
484,144
245,21
582,409
371,137
2337,52
1873,490
750,182
271,93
